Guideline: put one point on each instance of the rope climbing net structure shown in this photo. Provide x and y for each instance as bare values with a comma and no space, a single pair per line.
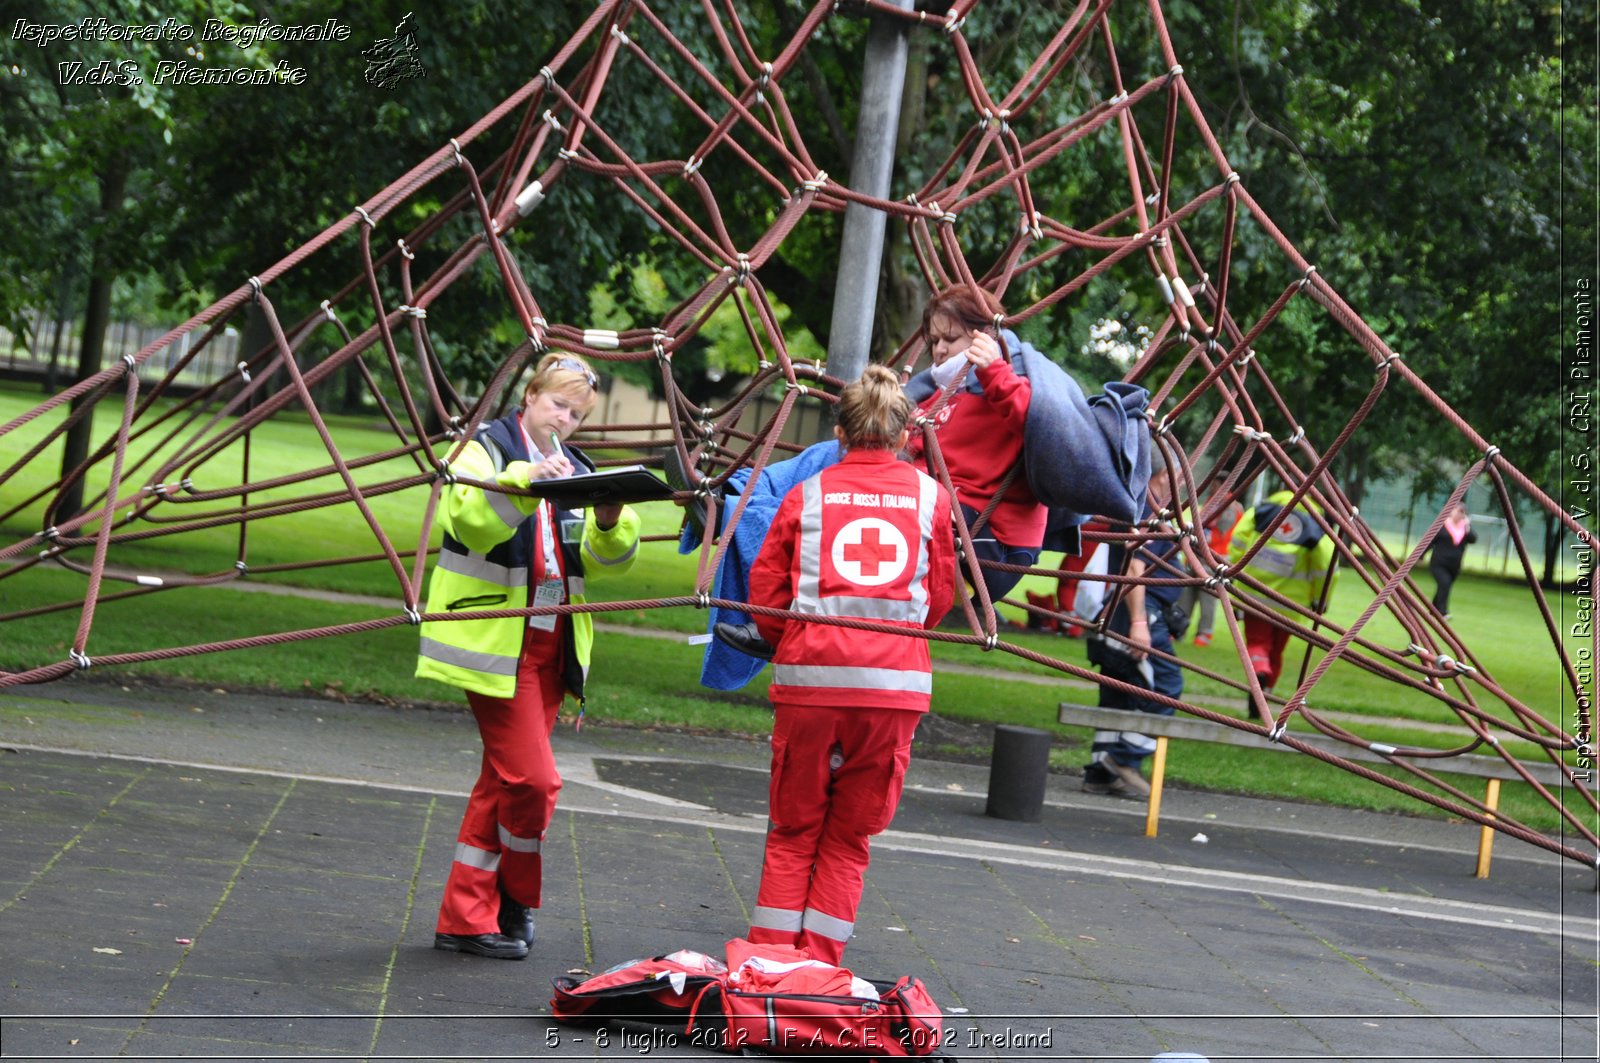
178,461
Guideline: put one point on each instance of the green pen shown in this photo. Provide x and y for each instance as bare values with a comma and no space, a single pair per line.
555,442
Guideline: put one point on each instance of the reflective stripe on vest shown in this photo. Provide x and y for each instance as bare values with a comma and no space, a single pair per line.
808,597
472,856
504,508
619,559
828,926
848,677
784,919
515,843
461,657
478,566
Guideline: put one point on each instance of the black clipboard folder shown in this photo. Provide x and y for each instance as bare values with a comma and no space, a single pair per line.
631,483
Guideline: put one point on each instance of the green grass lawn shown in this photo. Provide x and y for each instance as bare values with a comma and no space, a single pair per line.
641,680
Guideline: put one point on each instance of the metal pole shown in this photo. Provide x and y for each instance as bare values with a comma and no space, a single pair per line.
861,249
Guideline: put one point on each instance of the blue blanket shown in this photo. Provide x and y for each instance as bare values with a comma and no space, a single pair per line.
724,667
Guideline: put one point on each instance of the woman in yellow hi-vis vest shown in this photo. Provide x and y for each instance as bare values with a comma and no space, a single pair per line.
504,552
1296,561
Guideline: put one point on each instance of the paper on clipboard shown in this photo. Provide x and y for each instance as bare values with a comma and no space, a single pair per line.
631,483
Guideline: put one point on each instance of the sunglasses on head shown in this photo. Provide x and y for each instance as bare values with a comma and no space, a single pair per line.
578,367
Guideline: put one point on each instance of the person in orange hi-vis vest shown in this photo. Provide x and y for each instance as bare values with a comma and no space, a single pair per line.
867,539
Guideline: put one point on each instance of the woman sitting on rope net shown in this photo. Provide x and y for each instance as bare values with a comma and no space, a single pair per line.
990,400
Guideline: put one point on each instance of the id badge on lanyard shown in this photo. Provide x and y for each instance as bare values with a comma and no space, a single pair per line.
548,590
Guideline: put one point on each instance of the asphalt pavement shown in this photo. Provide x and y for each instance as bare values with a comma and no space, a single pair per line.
192,874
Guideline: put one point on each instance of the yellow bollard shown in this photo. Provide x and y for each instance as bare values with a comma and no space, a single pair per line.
1157,770
1491,799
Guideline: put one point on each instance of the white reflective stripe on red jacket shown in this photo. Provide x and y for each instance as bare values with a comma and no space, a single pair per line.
808,597
852,677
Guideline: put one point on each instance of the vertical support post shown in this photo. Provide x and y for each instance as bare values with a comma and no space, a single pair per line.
871,166
1158,771
1491,801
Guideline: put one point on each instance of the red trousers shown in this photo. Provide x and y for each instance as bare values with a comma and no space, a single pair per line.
836,781
1265,642
499,843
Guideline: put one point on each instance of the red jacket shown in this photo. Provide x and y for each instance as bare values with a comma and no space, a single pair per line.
980,436
868,538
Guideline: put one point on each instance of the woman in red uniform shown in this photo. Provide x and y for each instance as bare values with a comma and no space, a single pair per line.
980,431
869,539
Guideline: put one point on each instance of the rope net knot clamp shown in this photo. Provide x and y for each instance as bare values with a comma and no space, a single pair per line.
455,149
418,312
549,116
1490,453
692,165
1299,434
990,641
820,181
444,474
413,617
327,307
658,344
1031,227
404,250
243,569
1448,663
763,82
255,289
1383,366
616,33
742,273
130,362
530,197
1245,358
702,600
1277,732
797,386
159,490
1233,177
51,534
1175,72
79,661
244,371
952,24
1118,98
1252,434
362,211
1305,279
1220,579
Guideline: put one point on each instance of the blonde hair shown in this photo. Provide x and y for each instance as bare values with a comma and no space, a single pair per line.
874,410
566,373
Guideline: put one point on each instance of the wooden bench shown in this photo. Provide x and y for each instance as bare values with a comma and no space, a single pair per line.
1192,728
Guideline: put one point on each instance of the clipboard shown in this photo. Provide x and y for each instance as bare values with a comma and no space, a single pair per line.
631,483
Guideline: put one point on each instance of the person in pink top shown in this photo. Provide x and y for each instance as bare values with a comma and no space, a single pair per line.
1449,547
980,429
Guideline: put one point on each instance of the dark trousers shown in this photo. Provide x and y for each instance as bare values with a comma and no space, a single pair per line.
1443,577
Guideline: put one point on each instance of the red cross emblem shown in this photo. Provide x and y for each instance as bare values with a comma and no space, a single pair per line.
870,551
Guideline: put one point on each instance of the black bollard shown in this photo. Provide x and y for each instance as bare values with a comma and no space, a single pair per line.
1017,772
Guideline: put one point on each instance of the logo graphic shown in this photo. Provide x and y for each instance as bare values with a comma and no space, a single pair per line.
392,60
870,552
1291,526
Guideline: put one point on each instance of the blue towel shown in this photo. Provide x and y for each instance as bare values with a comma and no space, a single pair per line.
1083,456
724,667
